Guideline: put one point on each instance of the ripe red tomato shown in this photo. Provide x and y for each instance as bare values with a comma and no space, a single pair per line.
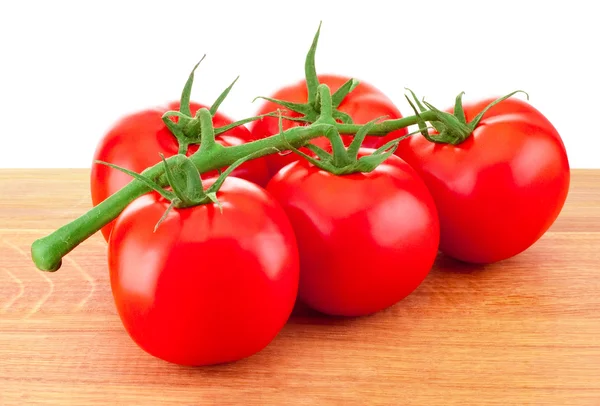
206,287
500,190
363,104
366,240
136,140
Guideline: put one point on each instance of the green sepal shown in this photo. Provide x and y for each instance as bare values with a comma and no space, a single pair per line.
175,113
310,71
319,152
343,117
297,119
368,163
313,110
437,125
416,99
359,137
459,112
148,182
185,182
323,164
479,116
398,140
301,108
188,130
164,216
344,161
213,197
225,128
214,188
215,106
451,128
420,122
184,106
343,91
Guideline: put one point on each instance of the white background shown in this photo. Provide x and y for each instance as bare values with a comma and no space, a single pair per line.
68,70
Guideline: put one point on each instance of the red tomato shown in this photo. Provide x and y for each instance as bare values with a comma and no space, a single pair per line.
363,104
135,141
206,287
501,189
366,240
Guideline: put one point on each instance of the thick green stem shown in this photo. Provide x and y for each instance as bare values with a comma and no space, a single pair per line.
207,131
183,147
386,127
47,252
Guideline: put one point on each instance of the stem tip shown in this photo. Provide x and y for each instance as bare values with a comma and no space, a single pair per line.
44,255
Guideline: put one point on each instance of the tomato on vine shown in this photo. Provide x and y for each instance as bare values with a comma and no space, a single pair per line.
353,101
499,173
366,226
202,277
363,104
136,140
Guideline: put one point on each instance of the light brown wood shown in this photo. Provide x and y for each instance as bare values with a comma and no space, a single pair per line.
524,331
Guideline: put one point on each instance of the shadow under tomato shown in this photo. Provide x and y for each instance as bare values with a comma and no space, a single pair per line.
444,263
303,314
307,331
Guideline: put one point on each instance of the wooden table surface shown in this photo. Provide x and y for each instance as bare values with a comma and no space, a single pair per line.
523,331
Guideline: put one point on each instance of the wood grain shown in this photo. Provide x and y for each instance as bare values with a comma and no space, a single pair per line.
524,331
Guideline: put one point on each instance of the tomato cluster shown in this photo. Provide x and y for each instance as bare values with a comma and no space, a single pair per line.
216,282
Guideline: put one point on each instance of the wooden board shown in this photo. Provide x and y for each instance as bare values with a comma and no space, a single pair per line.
524,331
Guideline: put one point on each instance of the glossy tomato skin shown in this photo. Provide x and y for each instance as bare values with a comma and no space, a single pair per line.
500,190
366,241
136,140
363,104
206,287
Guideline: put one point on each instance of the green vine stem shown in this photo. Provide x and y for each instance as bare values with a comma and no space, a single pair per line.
320,115
47,252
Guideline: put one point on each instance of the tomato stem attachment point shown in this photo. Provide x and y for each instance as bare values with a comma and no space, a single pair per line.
187,129
344,161
451,128
315,107
185,181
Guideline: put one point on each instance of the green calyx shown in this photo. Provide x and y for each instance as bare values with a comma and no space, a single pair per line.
342,160
185,182
184,178
312,110
187,129
451,128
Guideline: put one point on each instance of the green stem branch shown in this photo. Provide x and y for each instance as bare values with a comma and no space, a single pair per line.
326,110
386,127
47,252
